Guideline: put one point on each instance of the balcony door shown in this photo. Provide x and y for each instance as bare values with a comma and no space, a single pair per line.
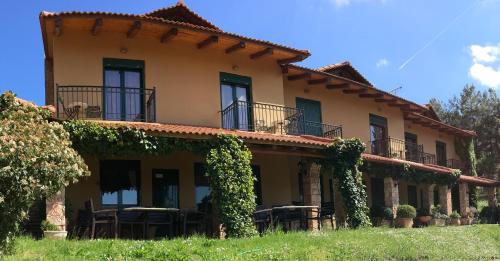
412,150
441,153
166,188
312,116
378,135
235,102
123,90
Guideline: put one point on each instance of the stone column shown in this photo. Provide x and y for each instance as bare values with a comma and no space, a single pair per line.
445,199
492,196
391,194
340,216
55,210
428,196
463,195
312,193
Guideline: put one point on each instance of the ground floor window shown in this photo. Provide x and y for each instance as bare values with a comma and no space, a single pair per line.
202,188
412,195
119,182
377,189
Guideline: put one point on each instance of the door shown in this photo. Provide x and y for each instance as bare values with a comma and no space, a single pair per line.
312,116
378,135
377,189
166,188
412,195
441,153
412,149
235,102
123,90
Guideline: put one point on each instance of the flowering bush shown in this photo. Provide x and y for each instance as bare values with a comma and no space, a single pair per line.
36,160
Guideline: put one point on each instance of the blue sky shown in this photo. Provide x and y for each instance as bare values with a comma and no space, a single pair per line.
456,41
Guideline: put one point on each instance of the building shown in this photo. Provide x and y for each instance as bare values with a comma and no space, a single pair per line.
171,72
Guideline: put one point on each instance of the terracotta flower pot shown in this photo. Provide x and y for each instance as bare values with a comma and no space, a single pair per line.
55,234
465,221
455,221
424,219
404,222
438,222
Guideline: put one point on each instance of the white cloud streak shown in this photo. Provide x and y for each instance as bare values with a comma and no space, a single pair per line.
485,68
382,63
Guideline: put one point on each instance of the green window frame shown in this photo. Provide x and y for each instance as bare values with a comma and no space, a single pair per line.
234,81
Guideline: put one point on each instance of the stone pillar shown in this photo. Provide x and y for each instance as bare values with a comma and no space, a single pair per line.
55,210
49,82
445,199
340,215
492,196
391,194
428,196
312,192
463,195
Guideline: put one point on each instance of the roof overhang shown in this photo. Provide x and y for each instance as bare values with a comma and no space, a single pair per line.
165,31
425,121
479,181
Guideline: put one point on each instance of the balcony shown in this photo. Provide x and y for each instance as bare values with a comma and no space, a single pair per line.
106,103
400,149
454,164
261,117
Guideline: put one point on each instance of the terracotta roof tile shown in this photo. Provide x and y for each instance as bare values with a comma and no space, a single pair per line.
181,13
338,69
480,181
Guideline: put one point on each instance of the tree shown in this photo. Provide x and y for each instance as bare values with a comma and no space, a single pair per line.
478,111
36,160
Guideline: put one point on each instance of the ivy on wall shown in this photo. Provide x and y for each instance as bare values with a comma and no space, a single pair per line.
343,158
227,158
231,180
465,150
404,171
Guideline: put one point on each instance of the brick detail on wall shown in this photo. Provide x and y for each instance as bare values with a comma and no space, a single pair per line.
312,193
391,193
445,199
463,195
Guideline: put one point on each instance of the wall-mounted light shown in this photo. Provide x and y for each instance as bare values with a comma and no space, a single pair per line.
124,50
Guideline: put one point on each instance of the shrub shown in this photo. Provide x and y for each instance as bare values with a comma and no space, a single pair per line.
36,160
454,214
423,212
47,226
437,213
388,214
376,211
490,215
406,211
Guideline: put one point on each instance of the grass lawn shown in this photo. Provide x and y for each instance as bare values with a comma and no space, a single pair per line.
477,242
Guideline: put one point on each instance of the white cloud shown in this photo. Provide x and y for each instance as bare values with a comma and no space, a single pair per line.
342,3
485,65
382,63
487,53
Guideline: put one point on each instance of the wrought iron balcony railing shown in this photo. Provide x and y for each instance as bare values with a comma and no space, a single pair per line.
106,103
242,115
454,164
400,149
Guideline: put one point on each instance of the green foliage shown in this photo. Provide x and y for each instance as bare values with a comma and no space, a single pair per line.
437,212
231,181
406,211
490,215
92,138
36,160
421,212
388,214
344,158
47,226
454,214
465,150
404,171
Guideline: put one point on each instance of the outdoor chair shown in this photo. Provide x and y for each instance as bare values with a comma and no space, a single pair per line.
131,219
102,217
93,112
168,219
262,220
71,113
193,218
327,213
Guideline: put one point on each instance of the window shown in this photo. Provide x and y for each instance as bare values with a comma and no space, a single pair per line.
235,101
377,189
257,185
412,195
123,89
203,199
119,182
166,188
312,116
378,135
441,153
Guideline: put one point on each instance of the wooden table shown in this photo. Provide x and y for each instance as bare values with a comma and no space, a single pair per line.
146,211
272,212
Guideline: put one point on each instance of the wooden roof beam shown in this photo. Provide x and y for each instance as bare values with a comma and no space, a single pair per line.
371,95
294,59
169,35
58,27
262,53
284,68
319,81
210,40
96,28
134,29
386,100
399,105
299,76
236,47
338,86
356,91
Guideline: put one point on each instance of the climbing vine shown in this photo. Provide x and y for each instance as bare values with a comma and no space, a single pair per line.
404,171
343,157
231,181
465,150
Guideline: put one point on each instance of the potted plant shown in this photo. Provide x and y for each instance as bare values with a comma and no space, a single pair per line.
405,215
51,231
438,218
455,218
467,218
388,217
424,216
377,215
